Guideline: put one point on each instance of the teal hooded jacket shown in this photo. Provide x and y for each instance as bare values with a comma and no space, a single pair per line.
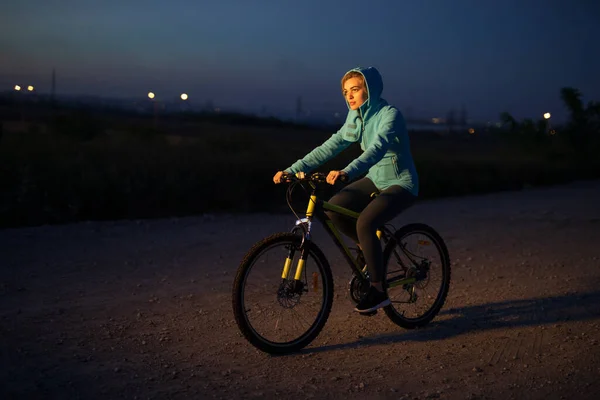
381,130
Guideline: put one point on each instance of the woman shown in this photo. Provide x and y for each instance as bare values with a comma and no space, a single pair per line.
386,159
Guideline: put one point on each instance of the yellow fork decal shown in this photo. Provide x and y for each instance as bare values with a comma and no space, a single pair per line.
286,268
299,270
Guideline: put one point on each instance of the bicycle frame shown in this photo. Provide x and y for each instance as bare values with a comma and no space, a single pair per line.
316,209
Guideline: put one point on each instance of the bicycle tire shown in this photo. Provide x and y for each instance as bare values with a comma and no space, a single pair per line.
250,332
421,320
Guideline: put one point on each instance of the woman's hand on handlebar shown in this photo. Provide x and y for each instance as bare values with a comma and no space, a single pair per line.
335,175
277,177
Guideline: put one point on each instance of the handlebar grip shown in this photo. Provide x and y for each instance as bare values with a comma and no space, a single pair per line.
287,177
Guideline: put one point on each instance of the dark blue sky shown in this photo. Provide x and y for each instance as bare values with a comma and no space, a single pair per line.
434,55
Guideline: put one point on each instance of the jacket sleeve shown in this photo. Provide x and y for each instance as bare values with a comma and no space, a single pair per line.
329,149
387,132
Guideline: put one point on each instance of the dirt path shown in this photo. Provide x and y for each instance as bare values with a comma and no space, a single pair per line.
141,310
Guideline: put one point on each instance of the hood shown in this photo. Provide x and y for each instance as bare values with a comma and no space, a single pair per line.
374,84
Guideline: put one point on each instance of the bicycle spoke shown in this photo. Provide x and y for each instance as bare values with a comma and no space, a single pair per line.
416,303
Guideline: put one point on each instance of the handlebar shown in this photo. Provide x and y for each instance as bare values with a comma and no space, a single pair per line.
318,177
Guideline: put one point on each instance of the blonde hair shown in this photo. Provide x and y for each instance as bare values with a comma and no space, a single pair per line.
353,74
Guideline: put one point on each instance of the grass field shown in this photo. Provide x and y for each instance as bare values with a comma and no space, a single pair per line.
90,168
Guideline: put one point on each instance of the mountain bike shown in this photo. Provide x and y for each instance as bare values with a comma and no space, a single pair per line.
283,289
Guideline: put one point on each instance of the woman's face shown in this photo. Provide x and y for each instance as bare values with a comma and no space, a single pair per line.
355,93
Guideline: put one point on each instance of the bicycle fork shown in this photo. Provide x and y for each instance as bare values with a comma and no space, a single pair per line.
299,268
304,225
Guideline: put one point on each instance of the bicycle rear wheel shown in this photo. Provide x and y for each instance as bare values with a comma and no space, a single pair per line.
417,255
279,315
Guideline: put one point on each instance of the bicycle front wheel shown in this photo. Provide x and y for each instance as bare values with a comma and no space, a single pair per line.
417,275
280,314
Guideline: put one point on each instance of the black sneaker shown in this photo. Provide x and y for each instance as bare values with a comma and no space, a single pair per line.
373,300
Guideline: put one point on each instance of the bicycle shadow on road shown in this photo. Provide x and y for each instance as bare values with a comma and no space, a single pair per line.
489,316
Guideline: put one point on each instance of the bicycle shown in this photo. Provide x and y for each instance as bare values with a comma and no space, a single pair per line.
270,296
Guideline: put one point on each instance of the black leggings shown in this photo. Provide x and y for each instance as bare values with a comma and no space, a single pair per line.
373,214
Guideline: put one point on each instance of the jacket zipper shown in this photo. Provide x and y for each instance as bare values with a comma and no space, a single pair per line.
362,128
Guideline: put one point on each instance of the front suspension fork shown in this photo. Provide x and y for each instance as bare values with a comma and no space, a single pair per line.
299,268
302,227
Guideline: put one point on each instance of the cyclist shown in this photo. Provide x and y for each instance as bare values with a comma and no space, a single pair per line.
387,161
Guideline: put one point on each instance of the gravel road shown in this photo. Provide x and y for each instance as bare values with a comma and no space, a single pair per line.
142,310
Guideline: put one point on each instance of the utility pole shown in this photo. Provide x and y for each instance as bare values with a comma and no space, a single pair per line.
53,90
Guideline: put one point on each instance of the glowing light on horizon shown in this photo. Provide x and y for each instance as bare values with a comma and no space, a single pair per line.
17,87
30,88
150,95
184,96
471,131
547,115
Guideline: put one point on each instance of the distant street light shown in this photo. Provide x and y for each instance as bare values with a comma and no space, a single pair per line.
21,102
184,96
151,96
30,88
548,126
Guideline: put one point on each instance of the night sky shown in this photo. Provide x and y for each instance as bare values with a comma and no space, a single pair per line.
434,55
